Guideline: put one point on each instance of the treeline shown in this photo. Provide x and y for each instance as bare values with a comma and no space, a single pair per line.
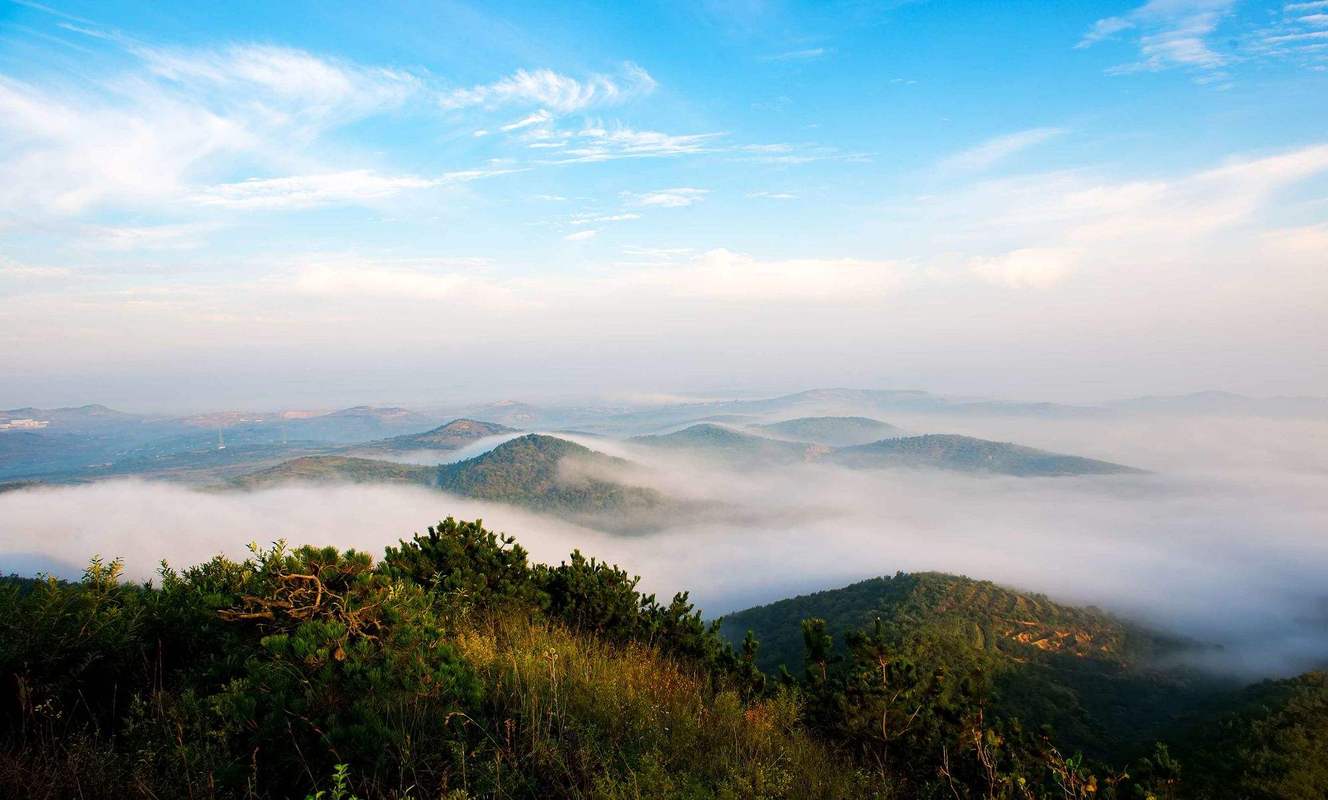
453,667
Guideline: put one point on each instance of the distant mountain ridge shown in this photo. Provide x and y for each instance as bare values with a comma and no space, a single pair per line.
968,454
731,446
336,469
832,431
933,451
453,435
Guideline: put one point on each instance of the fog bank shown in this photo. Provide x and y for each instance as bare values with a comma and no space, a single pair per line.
1219,546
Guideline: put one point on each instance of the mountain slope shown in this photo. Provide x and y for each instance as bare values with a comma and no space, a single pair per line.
717,443
335,469
1085,673
832,431
968,454
549,474
452,436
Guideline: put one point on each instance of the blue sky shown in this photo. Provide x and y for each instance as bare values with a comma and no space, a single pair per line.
314,204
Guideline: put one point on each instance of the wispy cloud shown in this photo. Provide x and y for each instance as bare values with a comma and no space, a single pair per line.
309,191
581,236
594,219
808,54
668,198
997,149
600,143
772,195
1168,33
553,90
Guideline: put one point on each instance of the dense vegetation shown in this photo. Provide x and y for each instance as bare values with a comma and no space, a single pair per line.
451,436
454,668
967,454
733,448
336,469
554,475
833,431
1085,674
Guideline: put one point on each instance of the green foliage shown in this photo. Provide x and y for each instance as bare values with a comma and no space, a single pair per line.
455,668
1273,745
967,454
468,564
556,476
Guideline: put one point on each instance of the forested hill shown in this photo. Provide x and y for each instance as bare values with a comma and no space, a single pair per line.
983,614
546,473
335,469
967,454
1084,673
452,667
832,431
452,436
725,445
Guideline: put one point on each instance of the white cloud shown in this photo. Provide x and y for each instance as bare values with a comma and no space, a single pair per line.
668,198
552,90
309,90
9,268
1169,33
182,116
1031,267
591,219
540,117
143,237
581,236
772,195
309,191
998,149
727,275
597,143
808,54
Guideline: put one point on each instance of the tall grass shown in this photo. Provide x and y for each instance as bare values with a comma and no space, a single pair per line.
589,719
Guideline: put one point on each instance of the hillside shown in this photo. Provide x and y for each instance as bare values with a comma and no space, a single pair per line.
968,454
1082,672
725,445
335,469
452,667
453,435
553,475
832,431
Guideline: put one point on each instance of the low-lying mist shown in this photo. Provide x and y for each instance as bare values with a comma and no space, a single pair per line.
1225,542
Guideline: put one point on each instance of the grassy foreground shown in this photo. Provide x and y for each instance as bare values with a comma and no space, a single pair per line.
454,668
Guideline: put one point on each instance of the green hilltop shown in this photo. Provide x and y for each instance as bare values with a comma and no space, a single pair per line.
453,435
832,431
336,469
549,474
968,454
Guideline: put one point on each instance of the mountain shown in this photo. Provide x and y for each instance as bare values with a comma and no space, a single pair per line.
1085,673
452,436
717,443
1269,741
1224,404
553,475
967,454
335,469
832,431
80,418
359,424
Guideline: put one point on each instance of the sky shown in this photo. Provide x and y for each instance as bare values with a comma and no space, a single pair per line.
264,205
